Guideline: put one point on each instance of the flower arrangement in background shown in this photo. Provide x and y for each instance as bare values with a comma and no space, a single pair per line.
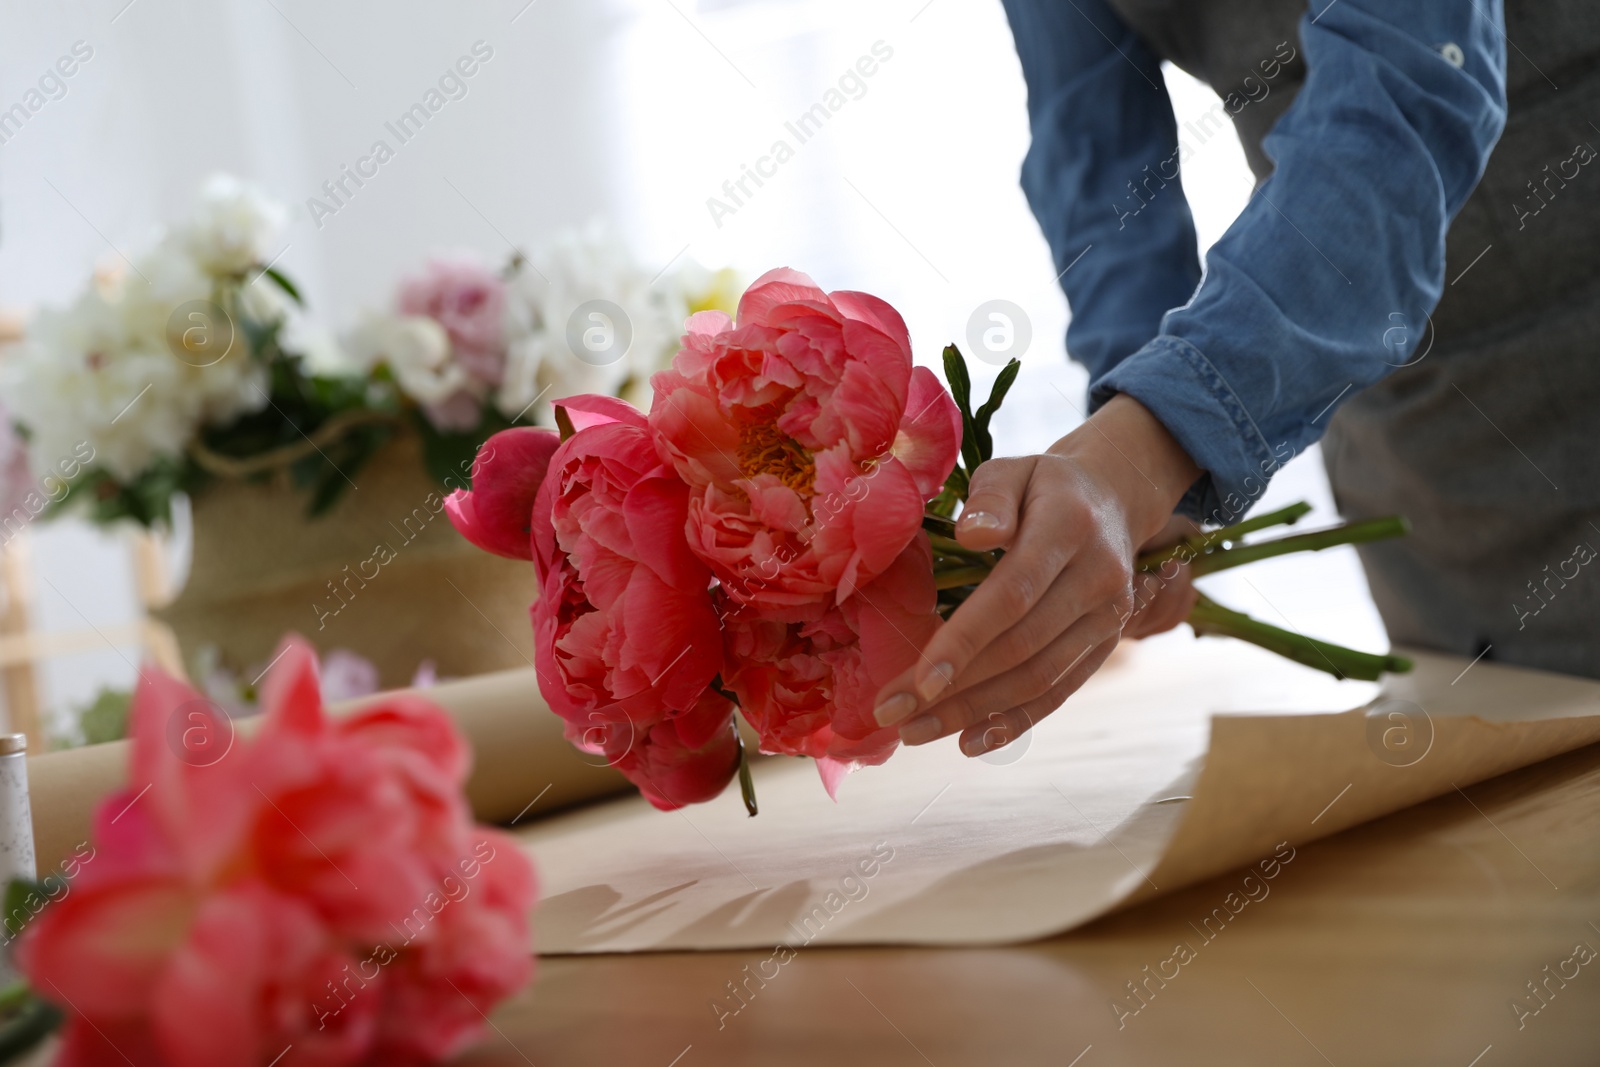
552,312
102,370
319,885
776,539
198,362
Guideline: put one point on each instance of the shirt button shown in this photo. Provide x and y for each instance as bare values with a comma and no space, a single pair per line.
1452,54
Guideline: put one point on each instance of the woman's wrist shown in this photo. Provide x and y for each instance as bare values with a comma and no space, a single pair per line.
1133,451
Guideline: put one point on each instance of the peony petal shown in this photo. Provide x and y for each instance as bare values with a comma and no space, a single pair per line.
673,637
778,286
101,949
833,773
864,307
291,698
929,440
707,323
671,772
657,511
691,432
496,513
588,409
871,528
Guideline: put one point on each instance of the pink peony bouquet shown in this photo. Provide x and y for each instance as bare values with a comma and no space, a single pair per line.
320,886
754,544
774,538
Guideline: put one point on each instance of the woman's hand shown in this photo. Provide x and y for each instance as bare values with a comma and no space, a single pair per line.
1070,521
1162,599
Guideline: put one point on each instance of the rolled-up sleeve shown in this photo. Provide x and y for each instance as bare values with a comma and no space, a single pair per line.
1390,133
1103,130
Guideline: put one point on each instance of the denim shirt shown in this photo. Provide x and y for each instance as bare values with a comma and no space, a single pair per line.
1295,310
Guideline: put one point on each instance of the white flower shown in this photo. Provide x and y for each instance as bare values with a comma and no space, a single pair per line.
234,226
578,267
321,354
83,377
110,371
415,348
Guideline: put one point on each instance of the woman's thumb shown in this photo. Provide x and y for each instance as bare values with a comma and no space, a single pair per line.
989,518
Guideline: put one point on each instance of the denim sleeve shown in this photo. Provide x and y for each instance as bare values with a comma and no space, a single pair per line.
1391,131
1103,130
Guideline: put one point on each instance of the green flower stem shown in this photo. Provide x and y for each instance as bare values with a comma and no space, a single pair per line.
959,576
1282,517
1210,618
1201,543
747,783
949,546
1314,541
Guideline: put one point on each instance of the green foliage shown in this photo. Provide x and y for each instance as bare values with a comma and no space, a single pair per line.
448,456
977,444
286,285
106,717
997,396
955,370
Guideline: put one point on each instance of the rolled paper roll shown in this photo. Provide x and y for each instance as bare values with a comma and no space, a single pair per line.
522,764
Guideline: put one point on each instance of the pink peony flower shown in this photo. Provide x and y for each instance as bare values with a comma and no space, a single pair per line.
496,514
807,678
321,886
808,440
686,759
467,298
625,634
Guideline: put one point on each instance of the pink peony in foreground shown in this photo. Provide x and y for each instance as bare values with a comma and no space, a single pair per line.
320,885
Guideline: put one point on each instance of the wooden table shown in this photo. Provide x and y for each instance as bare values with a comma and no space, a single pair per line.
1405,941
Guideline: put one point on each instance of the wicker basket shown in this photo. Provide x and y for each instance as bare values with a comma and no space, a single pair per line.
382,574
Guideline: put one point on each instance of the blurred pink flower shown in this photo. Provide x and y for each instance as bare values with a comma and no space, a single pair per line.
467,298
321,886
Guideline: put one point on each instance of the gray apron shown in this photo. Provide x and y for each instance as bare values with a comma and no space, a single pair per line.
1488,438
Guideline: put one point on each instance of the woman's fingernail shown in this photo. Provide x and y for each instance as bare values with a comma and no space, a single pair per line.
894,709
920,731
935,681
980,520
977,746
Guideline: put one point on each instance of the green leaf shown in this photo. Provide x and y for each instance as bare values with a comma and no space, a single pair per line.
106,719
955,369
17,913
447,457
955,491
286,285
997,396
